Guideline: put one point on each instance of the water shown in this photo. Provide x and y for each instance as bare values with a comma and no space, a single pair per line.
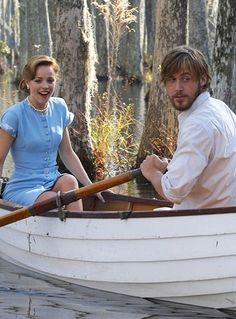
25,294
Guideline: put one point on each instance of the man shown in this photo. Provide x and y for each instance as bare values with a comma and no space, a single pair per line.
202,172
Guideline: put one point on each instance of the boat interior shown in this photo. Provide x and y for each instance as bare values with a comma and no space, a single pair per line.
120,206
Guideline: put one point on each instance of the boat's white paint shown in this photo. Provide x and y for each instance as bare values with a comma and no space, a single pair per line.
187,259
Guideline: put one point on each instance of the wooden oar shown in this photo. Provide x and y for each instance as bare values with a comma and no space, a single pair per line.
68,197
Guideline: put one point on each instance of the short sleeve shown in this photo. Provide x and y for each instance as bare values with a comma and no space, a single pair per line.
68,116
9,122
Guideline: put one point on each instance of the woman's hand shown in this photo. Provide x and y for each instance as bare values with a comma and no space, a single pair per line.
99,196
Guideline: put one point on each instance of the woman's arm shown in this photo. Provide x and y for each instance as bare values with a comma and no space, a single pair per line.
71,160
6,141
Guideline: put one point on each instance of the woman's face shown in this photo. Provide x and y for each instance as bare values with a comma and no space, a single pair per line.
42,86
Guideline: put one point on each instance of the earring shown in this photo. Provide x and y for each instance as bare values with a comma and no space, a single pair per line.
27,86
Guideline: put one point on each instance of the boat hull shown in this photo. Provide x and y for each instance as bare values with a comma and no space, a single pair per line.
187,259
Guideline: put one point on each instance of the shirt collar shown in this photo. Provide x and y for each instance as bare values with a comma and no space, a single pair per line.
198,102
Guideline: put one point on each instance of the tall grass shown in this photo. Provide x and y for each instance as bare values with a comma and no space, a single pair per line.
113,138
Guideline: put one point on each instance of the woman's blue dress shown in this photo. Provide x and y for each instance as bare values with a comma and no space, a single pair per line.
34,150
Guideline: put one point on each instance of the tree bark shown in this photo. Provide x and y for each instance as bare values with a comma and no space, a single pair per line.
9,28
212,12
76,55
130,60
101,38
23,33
198,27
150,21
161,123
52,20
35,33
224,60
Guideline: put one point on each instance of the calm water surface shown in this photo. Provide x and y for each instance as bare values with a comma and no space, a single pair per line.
24,294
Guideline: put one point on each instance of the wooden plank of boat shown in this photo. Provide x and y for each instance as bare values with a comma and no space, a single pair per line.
123,246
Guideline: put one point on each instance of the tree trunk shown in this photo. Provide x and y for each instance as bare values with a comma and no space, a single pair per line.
52,21
9,28
150,21
130,61
198,27
224,60
35,33
76,56
23,57
101,36
212,12
161,123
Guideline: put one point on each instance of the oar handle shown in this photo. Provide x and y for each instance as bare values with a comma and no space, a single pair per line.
68,197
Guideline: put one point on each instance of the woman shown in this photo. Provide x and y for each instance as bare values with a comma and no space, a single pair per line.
35,130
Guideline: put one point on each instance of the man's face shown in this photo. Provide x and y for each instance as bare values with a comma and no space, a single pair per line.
183,88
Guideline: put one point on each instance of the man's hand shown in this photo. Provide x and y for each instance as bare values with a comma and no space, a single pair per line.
152,169
153,164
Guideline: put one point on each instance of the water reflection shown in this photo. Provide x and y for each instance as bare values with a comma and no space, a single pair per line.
24,294
131,94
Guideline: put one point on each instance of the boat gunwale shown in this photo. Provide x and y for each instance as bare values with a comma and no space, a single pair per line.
125,214
141,214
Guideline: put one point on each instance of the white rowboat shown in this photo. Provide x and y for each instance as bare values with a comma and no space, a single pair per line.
125,247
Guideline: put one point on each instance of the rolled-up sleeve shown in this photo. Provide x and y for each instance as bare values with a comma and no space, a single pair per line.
189,161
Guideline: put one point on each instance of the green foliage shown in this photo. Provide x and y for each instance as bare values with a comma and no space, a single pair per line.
4,49
113,141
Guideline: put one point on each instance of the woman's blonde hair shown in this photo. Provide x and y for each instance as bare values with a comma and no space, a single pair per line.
184,57
30,69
